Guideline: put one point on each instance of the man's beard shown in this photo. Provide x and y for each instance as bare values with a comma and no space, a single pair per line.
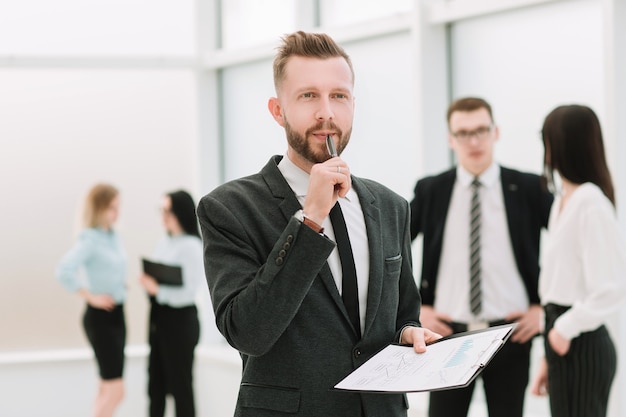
314,154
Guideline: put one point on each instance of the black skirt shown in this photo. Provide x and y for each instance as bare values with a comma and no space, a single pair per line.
106,331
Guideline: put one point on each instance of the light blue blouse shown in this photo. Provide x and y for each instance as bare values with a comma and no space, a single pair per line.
184,251
100,254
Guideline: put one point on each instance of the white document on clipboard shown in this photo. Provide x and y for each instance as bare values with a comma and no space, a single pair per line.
451,362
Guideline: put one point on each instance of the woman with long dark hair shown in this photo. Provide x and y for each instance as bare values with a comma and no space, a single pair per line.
174,327
100,254
583,275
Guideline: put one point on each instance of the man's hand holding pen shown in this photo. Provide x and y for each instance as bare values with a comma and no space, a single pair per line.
329,181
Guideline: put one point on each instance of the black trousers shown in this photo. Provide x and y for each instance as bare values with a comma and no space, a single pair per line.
504,381
579,383
174,334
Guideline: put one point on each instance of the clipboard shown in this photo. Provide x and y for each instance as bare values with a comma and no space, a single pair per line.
451,362
163,273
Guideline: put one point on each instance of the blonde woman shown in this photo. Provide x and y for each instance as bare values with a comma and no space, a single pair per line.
99,253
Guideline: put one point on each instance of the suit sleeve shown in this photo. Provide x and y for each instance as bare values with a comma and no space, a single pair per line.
255,297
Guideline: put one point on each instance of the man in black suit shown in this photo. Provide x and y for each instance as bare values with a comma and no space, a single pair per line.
274,271
480,256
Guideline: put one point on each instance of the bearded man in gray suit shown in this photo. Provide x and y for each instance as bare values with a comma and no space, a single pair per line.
272,265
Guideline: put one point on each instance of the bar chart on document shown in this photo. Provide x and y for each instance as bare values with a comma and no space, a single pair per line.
452,362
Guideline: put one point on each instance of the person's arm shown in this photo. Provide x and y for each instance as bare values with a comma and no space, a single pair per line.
434,320
149,283
258,275
604,272
539,385
528,323
101,301
67,272
255,296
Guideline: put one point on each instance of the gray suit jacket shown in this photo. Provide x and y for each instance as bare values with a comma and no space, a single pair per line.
276,301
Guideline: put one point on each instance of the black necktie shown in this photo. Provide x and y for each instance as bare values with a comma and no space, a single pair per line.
349,292
475,290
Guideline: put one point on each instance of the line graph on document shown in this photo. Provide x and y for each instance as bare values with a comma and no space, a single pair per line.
451,363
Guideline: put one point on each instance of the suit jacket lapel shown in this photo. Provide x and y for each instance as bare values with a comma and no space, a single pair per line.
371,213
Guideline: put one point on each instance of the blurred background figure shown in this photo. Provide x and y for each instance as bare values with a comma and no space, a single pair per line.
99,253
174,328
481,224
583,275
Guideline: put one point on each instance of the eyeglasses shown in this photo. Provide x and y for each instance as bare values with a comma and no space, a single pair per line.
481,133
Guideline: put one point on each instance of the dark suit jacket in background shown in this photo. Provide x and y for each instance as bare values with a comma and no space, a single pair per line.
527,206
276,301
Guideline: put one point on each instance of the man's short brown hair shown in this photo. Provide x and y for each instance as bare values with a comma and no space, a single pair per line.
469,104
309,45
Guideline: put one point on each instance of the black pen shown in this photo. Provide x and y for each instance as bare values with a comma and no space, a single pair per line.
330,145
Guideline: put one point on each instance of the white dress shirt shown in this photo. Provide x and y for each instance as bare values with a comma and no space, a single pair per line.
503,289
583,261
298,180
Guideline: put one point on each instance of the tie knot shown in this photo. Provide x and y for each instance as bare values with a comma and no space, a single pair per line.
476,182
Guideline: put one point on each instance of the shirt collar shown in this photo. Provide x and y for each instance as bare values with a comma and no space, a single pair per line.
488,178
298,179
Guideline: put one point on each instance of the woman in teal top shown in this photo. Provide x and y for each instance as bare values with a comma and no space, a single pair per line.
98,252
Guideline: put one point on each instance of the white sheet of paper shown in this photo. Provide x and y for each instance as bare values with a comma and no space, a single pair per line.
446,364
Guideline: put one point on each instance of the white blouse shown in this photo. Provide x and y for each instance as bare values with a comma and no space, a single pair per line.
583,262
185,251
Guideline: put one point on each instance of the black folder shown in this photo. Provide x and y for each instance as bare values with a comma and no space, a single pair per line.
164,274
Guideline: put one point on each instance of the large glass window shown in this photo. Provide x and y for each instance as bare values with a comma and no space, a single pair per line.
97,27
525,73
345,12
252,22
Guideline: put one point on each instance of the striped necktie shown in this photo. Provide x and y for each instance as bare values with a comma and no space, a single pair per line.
475,290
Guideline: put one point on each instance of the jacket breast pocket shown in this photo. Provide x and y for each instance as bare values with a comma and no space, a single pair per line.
391,282
393,266
266,397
